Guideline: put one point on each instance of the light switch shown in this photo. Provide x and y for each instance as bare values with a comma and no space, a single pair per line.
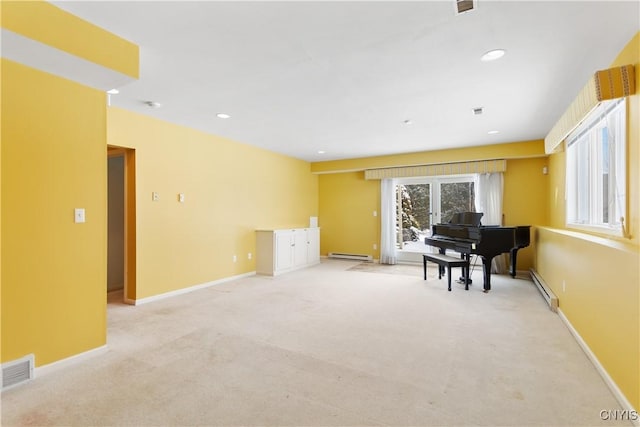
155,196
79,215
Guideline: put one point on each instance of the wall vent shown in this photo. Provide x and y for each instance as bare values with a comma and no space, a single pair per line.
17,371
356,257
463,6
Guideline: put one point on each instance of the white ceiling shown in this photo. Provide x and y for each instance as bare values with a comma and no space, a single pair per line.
302,76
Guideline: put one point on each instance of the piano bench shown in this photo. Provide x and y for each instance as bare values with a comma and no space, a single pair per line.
447,261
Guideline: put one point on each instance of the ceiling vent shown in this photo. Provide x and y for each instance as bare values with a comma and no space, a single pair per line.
463,6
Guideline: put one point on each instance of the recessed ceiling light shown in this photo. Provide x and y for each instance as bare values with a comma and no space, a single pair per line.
223,116
113,92
493,132
153,104
492,55
321,151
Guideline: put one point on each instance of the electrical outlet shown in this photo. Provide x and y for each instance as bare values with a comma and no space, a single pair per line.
249,255
375,213
564,286
155,196
375,246
181,197
235,258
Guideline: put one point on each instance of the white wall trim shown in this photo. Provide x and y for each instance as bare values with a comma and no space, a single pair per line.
191,288
64,363
620,397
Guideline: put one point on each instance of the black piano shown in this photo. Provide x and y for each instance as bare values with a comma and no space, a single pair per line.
465,234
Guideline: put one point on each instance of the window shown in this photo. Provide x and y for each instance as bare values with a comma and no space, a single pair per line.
597,171
422,202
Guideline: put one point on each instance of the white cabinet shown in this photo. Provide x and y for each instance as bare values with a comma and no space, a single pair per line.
280,251
313,246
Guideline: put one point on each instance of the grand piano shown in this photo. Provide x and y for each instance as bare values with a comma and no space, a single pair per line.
464,234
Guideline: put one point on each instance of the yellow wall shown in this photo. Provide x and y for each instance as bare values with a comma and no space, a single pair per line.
525,200
347,202
53,270
601,295
53,160
231,189
48,24
512,150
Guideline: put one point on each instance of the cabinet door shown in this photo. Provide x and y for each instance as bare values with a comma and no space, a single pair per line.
283,250
313,245
300,247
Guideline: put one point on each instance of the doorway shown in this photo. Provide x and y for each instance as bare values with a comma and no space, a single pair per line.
121,237
422,202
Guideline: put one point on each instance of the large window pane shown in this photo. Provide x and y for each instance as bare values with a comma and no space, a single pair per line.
596,169
414,212
456,197
425,201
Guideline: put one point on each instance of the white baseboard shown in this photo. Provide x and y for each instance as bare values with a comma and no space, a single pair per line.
191,288
620,397
64,363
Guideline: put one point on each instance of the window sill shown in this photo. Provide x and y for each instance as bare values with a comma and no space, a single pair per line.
608,232
604,240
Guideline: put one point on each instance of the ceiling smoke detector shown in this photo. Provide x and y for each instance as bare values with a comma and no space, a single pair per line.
463,6
153,104
477,111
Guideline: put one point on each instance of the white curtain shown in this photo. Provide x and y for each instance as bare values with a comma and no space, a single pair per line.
388,220
489,187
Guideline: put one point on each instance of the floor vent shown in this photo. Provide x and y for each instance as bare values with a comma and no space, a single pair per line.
356,257
546,293
17,371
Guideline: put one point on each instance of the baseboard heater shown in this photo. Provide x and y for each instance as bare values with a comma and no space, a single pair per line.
17,371
546,293
356,257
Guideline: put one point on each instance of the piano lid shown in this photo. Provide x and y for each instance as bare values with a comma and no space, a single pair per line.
466,218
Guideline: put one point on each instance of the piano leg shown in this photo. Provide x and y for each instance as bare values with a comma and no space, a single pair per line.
442,251
486,269
512,267
466,272
466,277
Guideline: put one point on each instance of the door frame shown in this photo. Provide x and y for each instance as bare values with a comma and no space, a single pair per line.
129,154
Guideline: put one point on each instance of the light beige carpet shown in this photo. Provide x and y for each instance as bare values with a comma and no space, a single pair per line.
406,269
328,346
